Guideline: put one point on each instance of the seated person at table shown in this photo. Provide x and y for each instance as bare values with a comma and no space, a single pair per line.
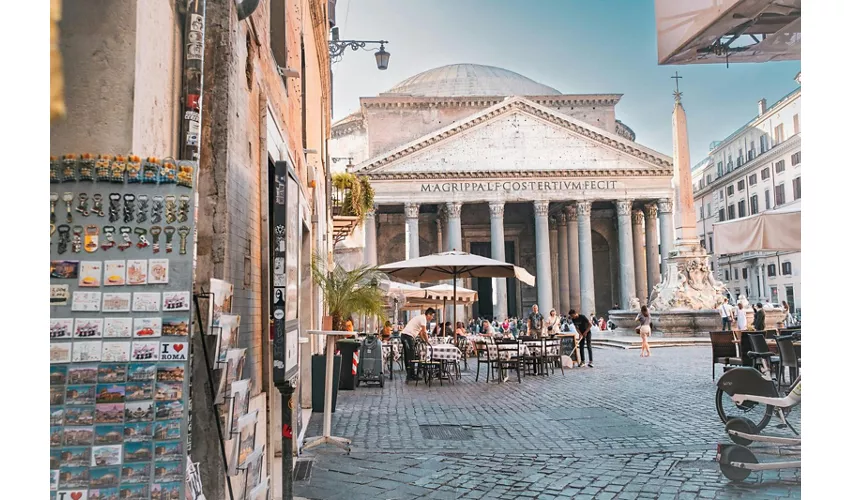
487,329
461,332
387,331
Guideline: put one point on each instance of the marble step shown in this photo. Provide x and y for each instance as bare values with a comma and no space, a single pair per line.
633,341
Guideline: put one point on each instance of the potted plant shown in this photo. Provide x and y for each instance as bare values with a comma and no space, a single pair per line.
354,195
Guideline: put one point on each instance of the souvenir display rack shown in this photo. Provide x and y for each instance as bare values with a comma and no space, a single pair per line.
121,250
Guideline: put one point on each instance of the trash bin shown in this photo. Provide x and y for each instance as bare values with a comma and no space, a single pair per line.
348,372
318,391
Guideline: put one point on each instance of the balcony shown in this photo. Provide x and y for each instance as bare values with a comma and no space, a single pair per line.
351,198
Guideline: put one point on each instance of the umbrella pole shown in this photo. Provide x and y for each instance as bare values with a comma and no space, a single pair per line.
454,319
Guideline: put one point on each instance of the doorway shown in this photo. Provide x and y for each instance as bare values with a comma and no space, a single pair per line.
486,286
602,285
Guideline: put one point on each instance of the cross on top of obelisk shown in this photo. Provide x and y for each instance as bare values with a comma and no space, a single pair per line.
677,95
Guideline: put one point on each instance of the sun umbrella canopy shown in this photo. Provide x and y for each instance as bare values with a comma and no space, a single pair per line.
448,265
772,230
446,292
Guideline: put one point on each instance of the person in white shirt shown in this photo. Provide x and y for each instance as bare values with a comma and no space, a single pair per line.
741,318
726,314
416,327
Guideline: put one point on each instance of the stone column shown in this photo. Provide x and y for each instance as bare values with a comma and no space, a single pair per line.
665,220
653,272
439,233
585,258
573,258
455,240
544,260
497,251
627,254
556,270
411,214
371,244
563,264
640,256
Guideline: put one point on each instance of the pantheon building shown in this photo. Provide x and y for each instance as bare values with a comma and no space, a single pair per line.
484,160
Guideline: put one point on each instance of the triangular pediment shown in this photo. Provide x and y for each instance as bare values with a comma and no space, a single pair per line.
518,135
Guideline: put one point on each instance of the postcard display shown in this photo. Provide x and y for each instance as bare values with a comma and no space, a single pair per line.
121,237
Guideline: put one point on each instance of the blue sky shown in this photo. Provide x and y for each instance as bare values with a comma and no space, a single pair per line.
575,46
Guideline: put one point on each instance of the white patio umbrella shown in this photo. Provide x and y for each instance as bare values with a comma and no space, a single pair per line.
772,230
454,265
444,292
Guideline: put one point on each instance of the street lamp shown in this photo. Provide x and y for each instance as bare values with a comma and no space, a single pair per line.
336,48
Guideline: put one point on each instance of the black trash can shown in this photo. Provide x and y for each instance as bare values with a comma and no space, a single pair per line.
318,388
347,375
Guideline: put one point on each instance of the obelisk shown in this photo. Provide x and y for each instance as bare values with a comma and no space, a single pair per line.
684,216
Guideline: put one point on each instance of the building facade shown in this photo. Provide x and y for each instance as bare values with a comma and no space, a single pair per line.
483,160
756,168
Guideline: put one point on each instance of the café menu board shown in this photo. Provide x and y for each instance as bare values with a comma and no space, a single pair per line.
121,251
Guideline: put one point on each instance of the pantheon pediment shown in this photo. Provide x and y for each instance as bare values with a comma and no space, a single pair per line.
517,137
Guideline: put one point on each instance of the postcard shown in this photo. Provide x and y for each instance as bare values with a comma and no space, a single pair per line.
85,328
167,472
158,271
86,301
75,457
174,351
65,269
79,494
168,451
254,468
229,324
147,327
146,301
111,372
239,392
88,350
82,374
109,454
116,302
138,452
222,299
247,427
74,477
60,353
57,415
55,458
138,372
115,352
77,416
59,295
80,395
137,272
57,395
118,327
178,327
144,351
169,391
169,409
110,393
105,477
108,434
176,301
141,411
109,413
135,432
78,436
115,273
58,375
135,491
54,478
166,490
61,328
136,473
56,433
138,391
166,430
105,493
91,273
261,491
170,372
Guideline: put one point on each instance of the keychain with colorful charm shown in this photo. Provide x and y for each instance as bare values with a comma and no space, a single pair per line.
109,233
168,173
185,173
101,168
143,241
77,242
129,208
170,209
85,167
183,212
183,232
155,232
69,168
169,235
114,206
64,238
83,205
91,240
125,231
97,198
143,208
150,171
55,170
156,210
134,169
117,168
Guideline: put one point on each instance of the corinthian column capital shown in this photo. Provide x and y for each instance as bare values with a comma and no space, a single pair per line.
541,207
637,217
497,209
624,207
453,209
583,208
411,210
665,205
651,210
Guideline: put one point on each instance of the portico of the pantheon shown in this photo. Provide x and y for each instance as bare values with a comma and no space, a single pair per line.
483,160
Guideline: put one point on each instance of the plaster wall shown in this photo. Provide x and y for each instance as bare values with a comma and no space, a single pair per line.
353,144
599,116
393,126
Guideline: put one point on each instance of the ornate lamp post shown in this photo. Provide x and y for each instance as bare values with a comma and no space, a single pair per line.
337,47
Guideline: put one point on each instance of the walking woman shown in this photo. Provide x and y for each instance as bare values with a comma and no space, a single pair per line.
644,330
552,324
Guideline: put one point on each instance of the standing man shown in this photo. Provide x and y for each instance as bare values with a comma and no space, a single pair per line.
726,314
582,325
535,322
416,327
758,318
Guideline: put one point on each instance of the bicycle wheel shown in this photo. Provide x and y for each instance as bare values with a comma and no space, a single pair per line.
758,413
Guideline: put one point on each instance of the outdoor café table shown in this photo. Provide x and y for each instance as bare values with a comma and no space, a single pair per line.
443,352
326,437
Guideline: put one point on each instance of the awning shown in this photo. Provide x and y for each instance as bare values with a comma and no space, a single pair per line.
772,230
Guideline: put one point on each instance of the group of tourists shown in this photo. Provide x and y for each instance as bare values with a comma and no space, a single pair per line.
735,318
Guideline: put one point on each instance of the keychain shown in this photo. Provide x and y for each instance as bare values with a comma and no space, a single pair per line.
77,242
68,198
54,198
143,208
155,232
150,171
117,168
83,205
125,235
91,238
101,168
55,170
143,241
134,170
109,233
156,211
168,173
185,171
52,229
183,213
64,238
169,235
85,167
183,232
170,209
114,204
69,170
129,207
97,198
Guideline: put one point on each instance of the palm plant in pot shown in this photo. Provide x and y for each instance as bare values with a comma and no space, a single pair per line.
347,293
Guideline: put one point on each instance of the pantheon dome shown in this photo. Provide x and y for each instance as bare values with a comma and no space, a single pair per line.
459,80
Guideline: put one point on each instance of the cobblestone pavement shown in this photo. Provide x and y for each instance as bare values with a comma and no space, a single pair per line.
627,428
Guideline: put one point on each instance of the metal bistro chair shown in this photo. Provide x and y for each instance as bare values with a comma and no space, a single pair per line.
787,359
758,343
512,360
723,351
463,345
485,357
552,353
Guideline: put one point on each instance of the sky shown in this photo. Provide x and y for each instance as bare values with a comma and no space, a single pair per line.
574,46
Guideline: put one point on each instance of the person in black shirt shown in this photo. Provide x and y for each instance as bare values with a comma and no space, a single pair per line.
582,325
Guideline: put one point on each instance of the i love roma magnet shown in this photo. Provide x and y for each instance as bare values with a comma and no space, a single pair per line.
72,495
173,351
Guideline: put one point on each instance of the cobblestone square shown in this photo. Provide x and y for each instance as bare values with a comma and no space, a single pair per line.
628,428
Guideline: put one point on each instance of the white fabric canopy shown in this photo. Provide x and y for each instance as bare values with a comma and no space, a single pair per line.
449,265
773,230
446,292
